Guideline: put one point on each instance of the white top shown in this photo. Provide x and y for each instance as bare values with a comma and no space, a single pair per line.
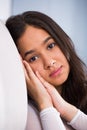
49,119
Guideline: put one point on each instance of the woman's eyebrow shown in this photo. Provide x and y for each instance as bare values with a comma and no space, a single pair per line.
29,52
32,51
47,39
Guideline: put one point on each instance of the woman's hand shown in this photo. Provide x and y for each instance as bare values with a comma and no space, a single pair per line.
66,110
45,94
36,89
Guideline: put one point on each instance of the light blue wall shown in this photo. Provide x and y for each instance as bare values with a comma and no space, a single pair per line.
71,15
5,9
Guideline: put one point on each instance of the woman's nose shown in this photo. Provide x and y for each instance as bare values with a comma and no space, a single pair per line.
50,63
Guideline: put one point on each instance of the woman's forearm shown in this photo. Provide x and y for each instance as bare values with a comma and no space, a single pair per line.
50,119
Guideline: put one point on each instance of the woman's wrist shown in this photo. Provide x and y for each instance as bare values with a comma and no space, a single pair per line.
69,112
45,105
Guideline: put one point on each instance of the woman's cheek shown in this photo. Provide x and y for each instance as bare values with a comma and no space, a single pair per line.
37,67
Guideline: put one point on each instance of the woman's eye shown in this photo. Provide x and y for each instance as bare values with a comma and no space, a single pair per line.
50,46
32,59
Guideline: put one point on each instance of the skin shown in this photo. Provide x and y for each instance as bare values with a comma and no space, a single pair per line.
44,52
46,68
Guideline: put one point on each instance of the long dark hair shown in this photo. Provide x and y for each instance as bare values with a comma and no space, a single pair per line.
75,88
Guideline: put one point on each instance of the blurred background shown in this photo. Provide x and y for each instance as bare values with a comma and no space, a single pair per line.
71,15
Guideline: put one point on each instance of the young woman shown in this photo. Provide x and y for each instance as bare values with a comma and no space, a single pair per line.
56,77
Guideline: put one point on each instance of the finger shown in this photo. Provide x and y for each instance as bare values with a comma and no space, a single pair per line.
26,75
25,72
44,82
41,79
50,88
28,70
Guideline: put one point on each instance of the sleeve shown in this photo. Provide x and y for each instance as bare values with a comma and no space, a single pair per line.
79,122
50,119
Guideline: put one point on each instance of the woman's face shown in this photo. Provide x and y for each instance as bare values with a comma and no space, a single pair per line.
39,49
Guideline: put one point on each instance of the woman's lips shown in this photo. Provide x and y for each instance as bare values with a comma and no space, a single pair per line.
56,72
